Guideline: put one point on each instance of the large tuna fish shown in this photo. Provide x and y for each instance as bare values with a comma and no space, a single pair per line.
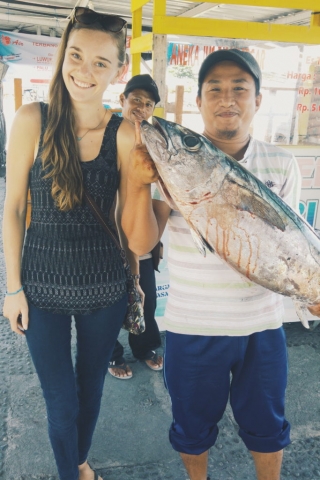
233,213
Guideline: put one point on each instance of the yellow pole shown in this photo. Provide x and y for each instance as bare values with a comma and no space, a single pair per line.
209,27
136,4
159,59
159,7
292,4
136,32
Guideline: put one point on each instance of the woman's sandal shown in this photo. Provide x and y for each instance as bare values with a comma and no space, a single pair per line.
96,476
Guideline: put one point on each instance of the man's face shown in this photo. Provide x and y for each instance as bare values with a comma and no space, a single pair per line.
139,105
228,101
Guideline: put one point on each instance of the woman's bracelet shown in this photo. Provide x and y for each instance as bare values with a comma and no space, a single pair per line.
15,293
136,276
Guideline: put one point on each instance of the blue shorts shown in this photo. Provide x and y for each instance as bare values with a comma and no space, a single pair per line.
200,372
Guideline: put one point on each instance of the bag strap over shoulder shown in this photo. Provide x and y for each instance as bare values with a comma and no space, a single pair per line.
99,215
134,319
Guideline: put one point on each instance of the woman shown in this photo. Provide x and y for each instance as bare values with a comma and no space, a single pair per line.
69,265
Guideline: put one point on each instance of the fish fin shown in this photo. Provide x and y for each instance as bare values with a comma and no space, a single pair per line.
246,200
301,312
200,242
208,246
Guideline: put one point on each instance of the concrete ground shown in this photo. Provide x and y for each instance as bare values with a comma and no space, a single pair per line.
131,439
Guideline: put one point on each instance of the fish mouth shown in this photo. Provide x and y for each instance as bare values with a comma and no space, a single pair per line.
161,135
156,124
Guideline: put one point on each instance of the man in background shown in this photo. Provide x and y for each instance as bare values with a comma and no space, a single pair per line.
138,101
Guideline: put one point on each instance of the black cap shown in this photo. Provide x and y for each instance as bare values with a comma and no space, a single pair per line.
144,82
245,59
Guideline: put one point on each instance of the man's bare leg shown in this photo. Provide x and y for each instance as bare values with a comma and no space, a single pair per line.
196,465
268,465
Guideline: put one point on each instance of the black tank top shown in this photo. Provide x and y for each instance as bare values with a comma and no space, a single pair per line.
69,264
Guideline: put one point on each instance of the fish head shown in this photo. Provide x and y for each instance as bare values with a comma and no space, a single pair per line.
182,157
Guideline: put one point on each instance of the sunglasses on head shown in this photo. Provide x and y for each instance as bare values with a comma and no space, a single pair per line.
86,16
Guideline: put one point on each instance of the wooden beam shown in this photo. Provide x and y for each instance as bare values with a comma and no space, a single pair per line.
159,53
136,4
292,4
208,27
141,44
17,93
179,104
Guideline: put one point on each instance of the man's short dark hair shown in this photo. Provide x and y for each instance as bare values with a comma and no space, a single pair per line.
244,59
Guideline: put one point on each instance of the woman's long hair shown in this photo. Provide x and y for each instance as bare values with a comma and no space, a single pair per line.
60,153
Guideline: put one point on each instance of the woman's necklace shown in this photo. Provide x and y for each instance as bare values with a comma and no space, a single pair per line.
80,138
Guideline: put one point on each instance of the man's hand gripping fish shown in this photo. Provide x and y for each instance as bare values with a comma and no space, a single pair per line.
232,213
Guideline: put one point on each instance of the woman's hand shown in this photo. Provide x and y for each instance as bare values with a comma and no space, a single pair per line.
315,310
142,170
15,309
140,291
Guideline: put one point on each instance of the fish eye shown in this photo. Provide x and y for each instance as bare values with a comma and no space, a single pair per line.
191,142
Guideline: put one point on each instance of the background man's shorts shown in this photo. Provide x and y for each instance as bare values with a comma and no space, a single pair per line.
197,375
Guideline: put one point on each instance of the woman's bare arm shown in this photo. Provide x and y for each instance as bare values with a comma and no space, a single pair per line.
22,148
125,141
141,224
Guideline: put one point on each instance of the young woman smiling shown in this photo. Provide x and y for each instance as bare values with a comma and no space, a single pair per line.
66,265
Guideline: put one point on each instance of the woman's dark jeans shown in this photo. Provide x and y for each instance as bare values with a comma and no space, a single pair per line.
73,395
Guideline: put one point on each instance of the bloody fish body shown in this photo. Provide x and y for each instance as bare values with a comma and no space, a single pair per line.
233,213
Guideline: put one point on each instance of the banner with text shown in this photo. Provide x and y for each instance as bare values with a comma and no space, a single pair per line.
36,52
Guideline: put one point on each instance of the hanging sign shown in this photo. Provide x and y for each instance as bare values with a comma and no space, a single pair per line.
35,51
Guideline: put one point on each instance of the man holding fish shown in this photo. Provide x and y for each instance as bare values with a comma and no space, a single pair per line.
220,324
